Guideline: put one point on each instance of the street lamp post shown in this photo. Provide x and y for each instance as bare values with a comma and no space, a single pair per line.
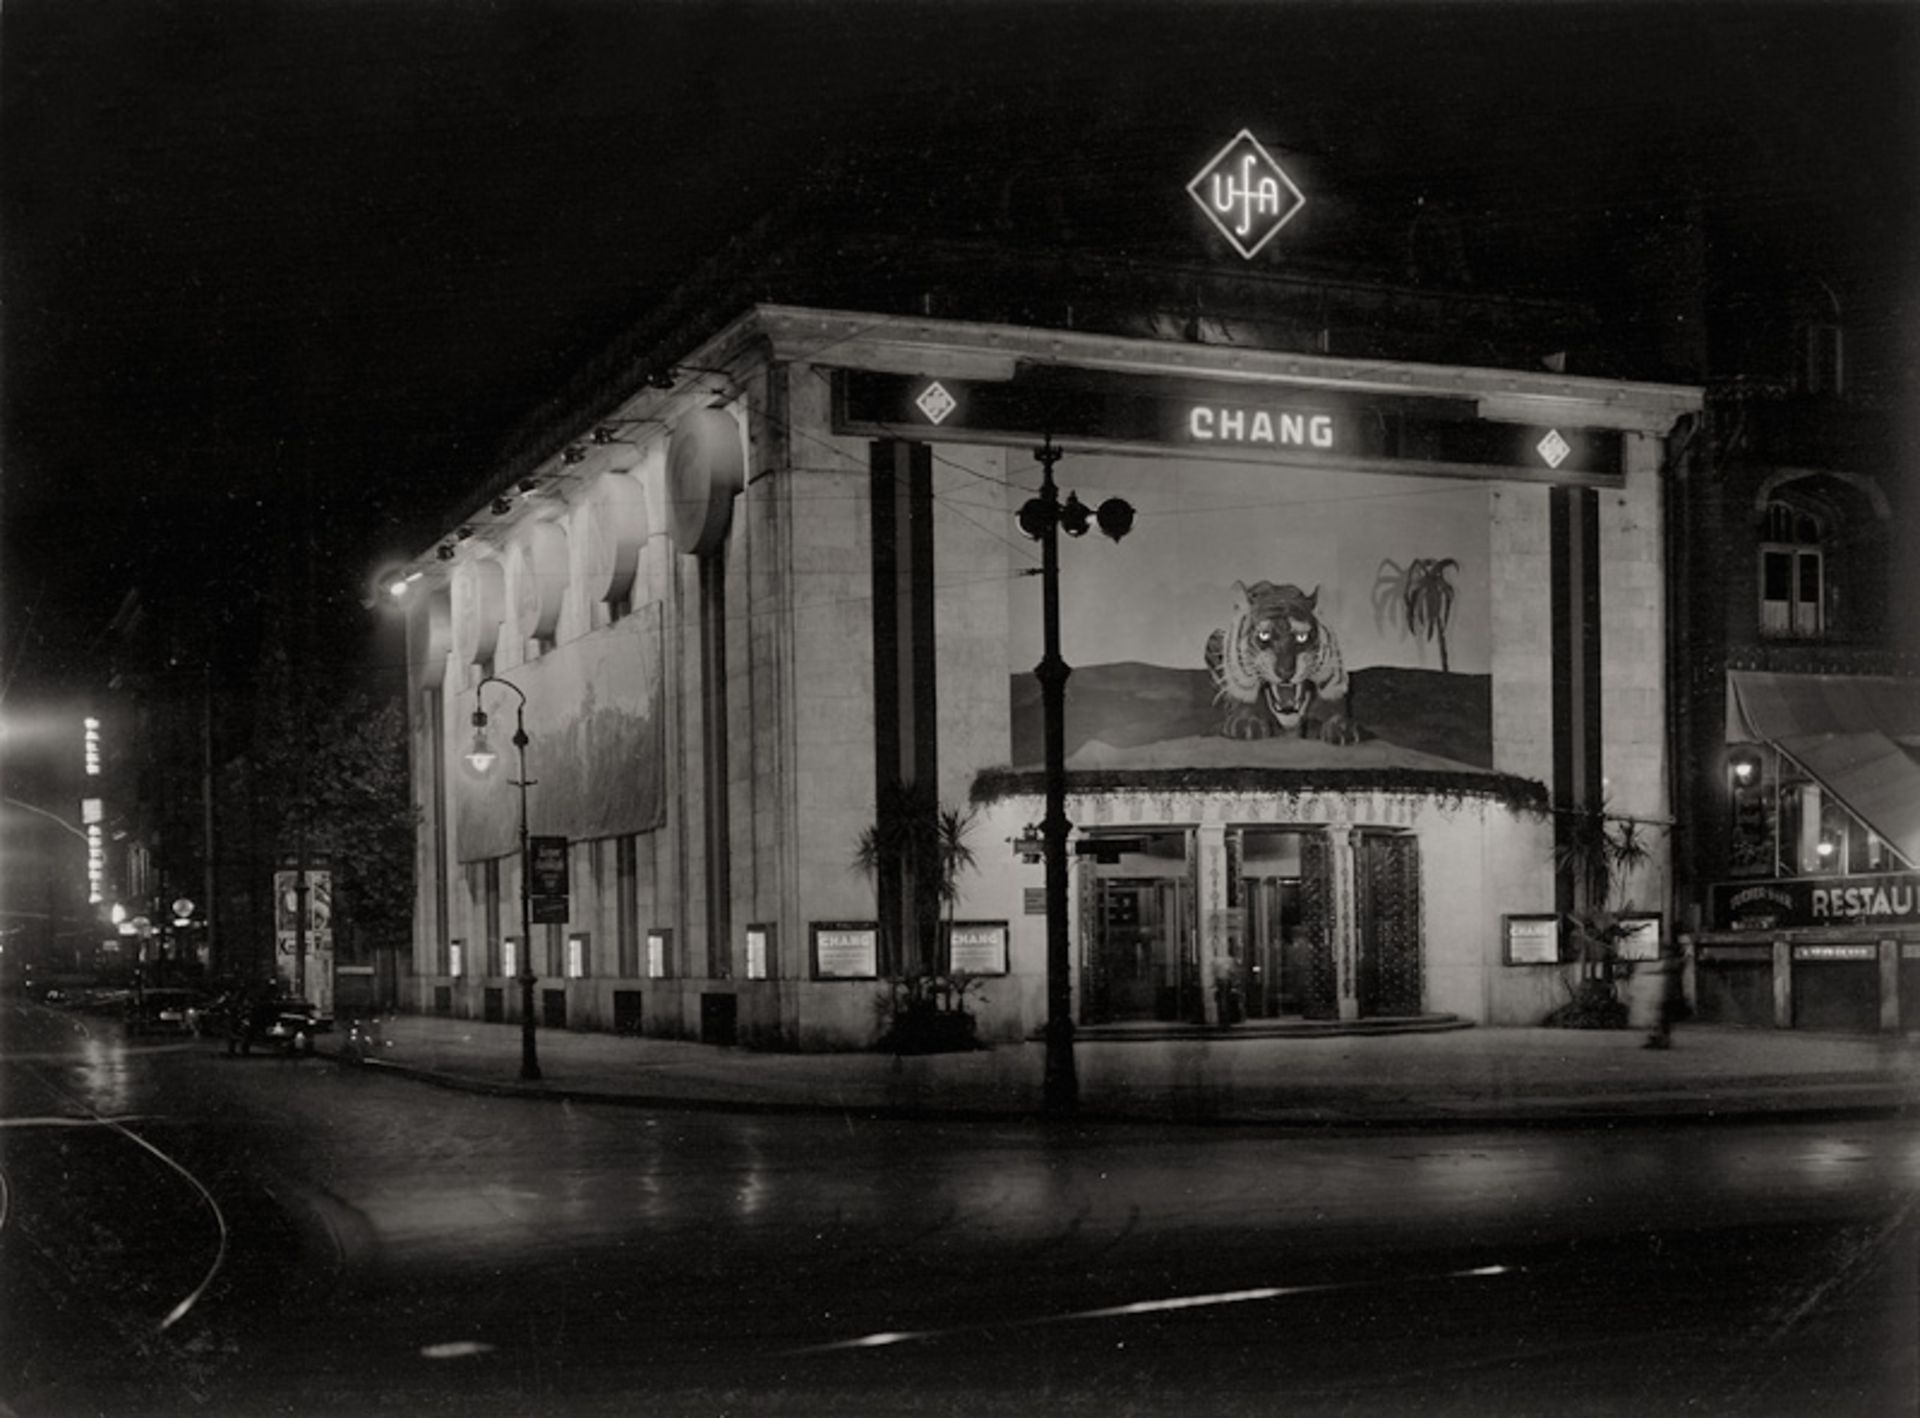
482,758
1043,518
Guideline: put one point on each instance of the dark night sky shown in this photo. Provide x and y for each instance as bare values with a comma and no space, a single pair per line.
251,249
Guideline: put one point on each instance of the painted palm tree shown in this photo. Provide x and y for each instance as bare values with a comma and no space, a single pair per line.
1423,595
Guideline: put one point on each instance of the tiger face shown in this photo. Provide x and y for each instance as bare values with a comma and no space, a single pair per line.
1277,668
1256,658
1286,630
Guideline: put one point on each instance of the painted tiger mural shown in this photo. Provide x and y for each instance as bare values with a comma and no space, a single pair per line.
1276,667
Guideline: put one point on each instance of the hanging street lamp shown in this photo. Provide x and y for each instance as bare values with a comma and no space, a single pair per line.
483,758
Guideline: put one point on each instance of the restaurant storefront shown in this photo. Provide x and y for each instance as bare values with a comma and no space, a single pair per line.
1820,927
1834,953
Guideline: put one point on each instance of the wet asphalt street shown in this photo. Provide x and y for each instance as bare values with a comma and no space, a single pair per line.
187,1233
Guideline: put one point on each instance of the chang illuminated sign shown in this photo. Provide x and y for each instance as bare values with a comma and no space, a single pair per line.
1284,421
1258,428
1246,194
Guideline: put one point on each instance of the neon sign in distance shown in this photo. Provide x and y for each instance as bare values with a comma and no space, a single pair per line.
1246,194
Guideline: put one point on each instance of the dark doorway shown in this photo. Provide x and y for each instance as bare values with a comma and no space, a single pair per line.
627,1012
719,1018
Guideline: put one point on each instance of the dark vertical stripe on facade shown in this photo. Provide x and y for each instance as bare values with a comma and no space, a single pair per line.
435,712
1574,539
1559,535
926,738
1590,743
925,749
906,741
887,727
713,730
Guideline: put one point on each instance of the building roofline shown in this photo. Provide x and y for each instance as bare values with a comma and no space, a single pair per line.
910,345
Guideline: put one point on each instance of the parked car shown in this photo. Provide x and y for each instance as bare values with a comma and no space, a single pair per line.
289,1025
162,1011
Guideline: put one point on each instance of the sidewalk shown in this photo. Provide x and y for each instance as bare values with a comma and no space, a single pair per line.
1502,1076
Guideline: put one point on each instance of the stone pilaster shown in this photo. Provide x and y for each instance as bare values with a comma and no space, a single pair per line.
1344,895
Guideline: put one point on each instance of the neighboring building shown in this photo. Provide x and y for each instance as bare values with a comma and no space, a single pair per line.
1801,702
762,588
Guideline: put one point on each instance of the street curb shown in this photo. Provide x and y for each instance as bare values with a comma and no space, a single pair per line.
1611,1111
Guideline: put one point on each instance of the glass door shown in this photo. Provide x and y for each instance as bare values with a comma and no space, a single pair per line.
1274,971
1138,940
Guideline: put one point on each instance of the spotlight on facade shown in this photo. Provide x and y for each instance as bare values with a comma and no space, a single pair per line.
527,485
398,586
444,551
463,533
660,379
502,506
603,433
573,453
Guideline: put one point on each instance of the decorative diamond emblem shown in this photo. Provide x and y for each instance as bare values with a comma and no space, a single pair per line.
1553,448
936,403
1246,194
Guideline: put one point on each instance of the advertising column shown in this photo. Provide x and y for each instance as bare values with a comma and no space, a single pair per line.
319,933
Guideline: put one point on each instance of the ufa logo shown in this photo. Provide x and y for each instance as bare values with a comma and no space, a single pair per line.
1246,194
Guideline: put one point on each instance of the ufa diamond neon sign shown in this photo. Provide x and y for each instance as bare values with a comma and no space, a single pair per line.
1246,194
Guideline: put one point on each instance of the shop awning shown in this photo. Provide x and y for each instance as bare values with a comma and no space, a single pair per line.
1764,707
1872,775
1857,735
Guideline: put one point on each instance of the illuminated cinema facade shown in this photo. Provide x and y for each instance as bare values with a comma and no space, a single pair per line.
1379,631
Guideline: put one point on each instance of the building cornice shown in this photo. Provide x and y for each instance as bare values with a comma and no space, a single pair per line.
966,349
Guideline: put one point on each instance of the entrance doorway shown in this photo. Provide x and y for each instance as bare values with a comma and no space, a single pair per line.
1273,973
1277,893
1140,946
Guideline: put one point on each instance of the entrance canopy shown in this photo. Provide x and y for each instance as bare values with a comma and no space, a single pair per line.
1856,735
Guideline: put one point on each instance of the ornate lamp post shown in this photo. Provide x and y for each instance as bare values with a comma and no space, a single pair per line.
482,758
1043,518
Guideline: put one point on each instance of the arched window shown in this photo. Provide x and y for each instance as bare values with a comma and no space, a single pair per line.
1792,573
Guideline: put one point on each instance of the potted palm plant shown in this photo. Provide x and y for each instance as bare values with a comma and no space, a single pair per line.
924,1007
1601,850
